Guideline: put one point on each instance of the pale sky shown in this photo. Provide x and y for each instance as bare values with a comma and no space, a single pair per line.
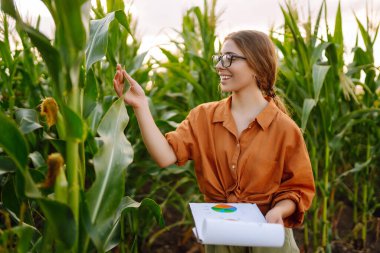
157,18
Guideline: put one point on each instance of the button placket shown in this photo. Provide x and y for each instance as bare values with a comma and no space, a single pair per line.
234,161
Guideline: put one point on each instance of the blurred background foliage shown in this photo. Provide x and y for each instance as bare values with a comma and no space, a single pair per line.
335,99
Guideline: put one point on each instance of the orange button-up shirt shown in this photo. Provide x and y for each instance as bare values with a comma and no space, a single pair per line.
267,163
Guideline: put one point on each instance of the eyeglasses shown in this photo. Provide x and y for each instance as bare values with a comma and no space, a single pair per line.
226,59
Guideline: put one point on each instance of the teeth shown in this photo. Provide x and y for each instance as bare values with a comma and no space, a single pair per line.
225,77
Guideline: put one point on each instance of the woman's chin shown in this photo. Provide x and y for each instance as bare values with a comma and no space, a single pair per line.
224,87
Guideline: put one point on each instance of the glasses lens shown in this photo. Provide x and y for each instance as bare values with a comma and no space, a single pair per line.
226,60
216,59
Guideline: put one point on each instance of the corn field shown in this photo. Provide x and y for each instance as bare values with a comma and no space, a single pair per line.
75,175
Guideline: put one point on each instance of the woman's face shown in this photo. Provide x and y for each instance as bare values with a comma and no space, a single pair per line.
239,75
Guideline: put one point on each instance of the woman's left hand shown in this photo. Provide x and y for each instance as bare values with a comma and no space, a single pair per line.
274,216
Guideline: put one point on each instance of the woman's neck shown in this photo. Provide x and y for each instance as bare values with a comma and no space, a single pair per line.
249,103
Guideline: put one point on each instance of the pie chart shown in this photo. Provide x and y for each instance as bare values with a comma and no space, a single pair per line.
223,208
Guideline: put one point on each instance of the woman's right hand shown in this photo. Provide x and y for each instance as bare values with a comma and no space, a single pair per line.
135,95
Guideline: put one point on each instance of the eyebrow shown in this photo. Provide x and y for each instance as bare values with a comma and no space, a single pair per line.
229,53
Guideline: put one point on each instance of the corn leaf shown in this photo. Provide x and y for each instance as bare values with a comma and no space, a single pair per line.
308,105
61,221
319,75
114,155
50,55
338,36
90,94
13,142
23,233
76,129
27,120
6,165
97,44
70,19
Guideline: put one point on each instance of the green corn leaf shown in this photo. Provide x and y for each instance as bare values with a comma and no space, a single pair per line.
357,168
13,142
317,52
90,94
319,75
61,221
94,118
76,128
123,20
299,42
97,44
137,63
27,120
6,54
9,7
148,203
23,233
107,236
338,36
48,52
316,26
308,105
111,161
70,20
365,35
145,209
171,57
7,165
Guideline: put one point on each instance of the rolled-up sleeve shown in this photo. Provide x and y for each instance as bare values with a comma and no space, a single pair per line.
297,183
183,140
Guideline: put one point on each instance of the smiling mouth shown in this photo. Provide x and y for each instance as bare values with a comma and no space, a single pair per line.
224,78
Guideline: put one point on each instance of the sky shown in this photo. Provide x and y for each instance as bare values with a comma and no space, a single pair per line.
157,19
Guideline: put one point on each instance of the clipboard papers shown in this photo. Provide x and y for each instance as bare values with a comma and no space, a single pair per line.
235,224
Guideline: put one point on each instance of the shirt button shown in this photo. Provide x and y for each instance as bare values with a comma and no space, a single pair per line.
238,145
233,167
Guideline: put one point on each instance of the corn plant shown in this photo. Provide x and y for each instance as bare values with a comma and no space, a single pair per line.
183,80
322,96
80,213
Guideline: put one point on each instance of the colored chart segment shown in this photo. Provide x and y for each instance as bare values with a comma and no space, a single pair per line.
223,208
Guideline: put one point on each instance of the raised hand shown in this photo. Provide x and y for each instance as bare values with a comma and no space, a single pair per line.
135,95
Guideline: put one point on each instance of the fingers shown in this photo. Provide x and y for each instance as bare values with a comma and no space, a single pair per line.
119,92
129,78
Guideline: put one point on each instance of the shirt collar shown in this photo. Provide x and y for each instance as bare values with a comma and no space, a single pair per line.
264,118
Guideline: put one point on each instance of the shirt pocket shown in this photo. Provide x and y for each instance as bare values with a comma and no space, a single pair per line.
261,175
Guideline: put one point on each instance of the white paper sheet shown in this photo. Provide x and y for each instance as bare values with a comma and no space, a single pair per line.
245,226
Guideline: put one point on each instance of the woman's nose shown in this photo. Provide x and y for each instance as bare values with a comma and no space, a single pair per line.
219,65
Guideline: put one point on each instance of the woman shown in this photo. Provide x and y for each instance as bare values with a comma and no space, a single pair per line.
245,147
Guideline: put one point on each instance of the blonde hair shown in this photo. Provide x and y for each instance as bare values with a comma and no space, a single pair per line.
261,58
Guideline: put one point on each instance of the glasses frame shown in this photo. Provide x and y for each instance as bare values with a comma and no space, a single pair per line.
219,58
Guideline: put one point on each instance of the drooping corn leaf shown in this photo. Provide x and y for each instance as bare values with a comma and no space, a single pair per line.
107,236
27,120
114,155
